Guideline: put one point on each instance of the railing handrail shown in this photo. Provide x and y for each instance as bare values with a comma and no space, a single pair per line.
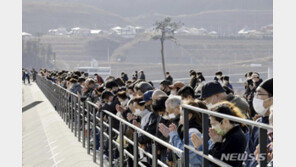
206,157
232,118
158,140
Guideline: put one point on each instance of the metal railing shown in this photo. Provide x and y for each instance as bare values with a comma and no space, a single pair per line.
205,129
70,109
77,115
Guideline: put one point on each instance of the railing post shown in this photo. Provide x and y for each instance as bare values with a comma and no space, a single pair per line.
154,155
101,138
121,158
110,141
79,114
263,146
136,151
186,138
205,132
180,162
83,124
63,104
88,128
94,135
75,115
72,112
69,109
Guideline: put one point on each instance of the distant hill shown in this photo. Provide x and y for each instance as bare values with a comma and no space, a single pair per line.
219,15
42,16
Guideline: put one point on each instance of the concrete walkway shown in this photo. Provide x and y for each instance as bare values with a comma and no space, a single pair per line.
47,141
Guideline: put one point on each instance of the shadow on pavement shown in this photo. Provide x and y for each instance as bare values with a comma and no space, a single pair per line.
29,106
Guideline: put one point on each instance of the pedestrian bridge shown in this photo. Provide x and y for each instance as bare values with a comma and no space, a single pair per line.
46,140
51,135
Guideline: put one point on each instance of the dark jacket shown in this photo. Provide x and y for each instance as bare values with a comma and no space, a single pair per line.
250,100
151,128
142,76
193,82
234,141
111,108
124,78
170,79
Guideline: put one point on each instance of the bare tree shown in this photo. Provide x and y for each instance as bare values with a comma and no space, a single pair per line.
167,30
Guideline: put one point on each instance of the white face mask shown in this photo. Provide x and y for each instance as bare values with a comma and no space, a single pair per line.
258,106
137,112
109,103
210,105
124,102
173,92
165,117
172,116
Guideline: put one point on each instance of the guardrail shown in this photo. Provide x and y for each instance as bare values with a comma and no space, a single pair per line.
78,114
205,129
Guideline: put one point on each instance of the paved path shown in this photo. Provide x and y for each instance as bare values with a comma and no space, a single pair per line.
46,140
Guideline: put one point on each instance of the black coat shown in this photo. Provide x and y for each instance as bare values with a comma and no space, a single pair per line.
234,141
170,79
111,108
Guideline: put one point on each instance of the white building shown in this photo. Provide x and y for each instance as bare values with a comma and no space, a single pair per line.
96,32
80,31
58,31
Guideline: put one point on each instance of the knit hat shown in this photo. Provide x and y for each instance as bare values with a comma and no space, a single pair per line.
268,86
210,89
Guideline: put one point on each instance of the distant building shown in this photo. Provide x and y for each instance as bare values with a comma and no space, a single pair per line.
191,31
80,31
26,34
58,31
96,32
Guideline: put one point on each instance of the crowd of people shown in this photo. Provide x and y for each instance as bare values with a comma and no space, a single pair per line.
159,112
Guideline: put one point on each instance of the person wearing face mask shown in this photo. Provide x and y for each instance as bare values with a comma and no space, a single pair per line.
213,93
227,136
173,107
262,101
130,91
225,81
141,112
112,86
176,87
195,128
147,99
122,109
165,86
256,81
161,117
186,93
218,76
109,102
256,159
